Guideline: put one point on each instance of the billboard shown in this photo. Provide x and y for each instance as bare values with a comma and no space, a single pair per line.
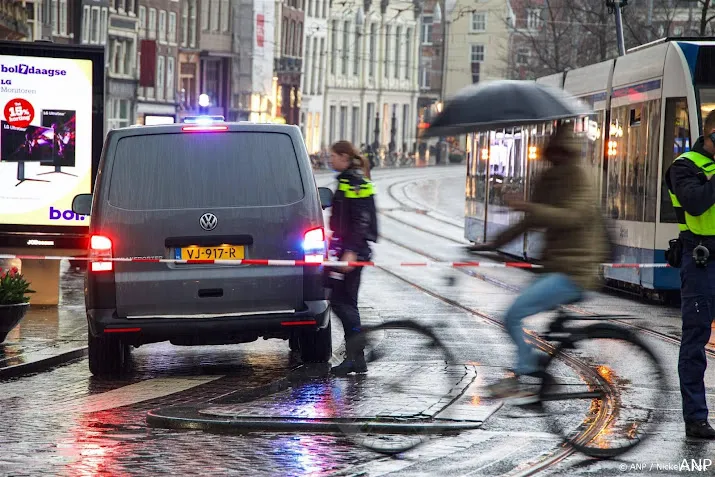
51,128
264,14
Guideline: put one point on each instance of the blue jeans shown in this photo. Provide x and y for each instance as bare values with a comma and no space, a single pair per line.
546,293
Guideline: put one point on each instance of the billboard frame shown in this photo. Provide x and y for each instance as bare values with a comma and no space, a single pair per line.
63,236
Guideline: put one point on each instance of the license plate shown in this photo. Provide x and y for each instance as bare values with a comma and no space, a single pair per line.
221,252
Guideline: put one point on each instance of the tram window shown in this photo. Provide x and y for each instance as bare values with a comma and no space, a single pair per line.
707,102
676,141
636,116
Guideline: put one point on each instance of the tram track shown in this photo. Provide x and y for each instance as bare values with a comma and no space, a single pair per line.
710,352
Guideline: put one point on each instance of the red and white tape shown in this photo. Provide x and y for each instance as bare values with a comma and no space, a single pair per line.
303,263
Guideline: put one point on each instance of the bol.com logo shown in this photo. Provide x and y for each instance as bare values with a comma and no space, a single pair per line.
56,214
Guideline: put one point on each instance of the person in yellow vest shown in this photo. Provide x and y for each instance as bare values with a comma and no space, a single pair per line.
693,194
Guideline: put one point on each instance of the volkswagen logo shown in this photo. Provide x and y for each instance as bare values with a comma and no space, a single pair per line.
208,222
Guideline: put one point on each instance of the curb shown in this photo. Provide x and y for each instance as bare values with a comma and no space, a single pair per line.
42,364
165,420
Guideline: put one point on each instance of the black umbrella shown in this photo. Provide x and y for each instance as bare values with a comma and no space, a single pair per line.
500,104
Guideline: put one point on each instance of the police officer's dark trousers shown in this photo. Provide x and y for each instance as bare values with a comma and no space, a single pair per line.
698,308
344,301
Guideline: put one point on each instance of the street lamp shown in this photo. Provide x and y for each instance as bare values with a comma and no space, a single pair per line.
442,19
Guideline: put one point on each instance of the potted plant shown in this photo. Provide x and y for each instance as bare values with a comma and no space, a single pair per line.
13,300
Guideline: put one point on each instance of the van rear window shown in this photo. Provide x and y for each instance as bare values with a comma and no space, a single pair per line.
195,170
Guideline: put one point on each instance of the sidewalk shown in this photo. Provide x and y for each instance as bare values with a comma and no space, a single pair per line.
48,336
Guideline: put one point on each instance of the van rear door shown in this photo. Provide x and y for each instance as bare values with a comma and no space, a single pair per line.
222,194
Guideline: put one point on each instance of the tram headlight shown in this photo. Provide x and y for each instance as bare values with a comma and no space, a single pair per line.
612,148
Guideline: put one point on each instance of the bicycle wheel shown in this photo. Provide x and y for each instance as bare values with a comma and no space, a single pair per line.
412,380
616,387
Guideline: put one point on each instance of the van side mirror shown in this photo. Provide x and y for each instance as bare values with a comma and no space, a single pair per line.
82,204
326,197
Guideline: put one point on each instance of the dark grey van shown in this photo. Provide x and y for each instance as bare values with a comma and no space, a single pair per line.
193,192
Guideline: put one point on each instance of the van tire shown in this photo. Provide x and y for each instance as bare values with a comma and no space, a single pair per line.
107,355
316,345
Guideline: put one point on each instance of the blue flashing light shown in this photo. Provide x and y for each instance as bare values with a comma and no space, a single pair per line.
204,120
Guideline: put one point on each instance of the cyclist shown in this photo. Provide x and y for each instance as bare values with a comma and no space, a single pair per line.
565,204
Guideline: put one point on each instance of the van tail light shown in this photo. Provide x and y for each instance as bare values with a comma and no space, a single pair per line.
314,245
100,247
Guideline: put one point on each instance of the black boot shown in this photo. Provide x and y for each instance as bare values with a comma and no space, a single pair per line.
699,429
354,361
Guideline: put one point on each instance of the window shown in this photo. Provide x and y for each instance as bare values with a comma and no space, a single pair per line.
331,125
117,113
130,48
86,23
237,170
676,140
408,54
343,122
172,27
204,15
323,60
405,123
214,15
63,17
225,15
170,73
477,57
152,23
299,40
55,22
398,42
192,23
291,39
325,8
425,70
346,51
355,124
370,117
334,50
373,48
533,19
95,26
356,56
522,56
388,32
103,26
160,77
130,7
426,32
185,24
162,26
479,22
142,21
477,53
678,31
316,66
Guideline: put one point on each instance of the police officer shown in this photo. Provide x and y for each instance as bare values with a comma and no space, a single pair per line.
353,222
693,194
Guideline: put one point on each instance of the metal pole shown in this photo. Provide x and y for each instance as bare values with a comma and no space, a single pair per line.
619,28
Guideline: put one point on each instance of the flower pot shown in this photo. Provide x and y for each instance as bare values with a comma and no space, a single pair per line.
10,316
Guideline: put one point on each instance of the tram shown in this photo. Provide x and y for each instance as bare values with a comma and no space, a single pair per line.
648,108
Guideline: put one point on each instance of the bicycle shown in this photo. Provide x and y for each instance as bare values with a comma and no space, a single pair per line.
602,402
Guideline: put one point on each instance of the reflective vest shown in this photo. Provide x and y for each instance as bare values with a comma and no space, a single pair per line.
702,224
365,190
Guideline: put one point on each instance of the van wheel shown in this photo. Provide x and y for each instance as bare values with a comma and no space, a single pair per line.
107,355
316,346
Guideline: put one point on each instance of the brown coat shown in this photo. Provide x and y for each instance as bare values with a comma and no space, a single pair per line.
565,203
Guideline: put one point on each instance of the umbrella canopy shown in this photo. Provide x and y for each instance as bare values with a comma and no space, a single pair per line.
499,104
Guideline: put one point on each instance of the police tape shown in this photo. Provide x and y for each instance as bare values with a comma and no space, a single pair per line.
304,263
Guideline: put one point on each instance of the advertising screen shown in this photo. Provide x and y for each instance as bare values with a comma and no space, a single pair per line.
50,135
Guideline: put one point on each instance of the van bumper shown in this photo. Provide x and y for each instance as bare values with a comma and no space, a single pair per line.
152,329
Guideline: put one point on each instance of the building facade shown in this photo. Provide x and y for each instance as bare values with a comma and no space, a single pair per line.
257,90
121,93
157,60
189,63
14,20
288,59
314,68
217,52
478,44
372,76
